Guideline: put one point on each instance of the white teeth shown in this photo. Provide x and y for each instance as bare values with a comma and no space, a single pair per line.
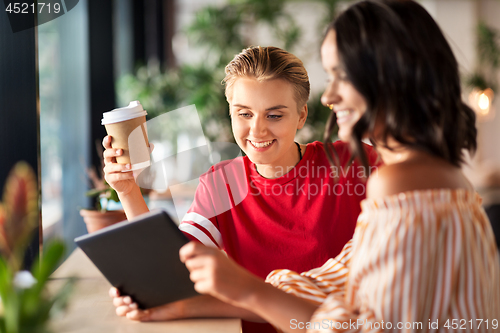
341,114
261,144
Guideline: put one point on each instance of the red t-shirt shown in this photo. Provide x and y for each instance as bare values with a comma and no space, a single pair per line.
297,221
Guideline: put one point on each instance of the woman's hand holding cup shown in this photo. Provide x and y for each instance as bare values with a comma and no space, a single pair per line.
116,174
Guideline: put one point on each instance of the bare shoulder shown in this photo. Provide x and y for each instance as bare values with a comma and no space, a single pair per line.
403,177
385,180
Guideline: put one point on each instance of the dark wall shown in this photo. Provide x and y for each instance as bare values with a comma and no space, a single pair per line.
19,136
154,25
102,89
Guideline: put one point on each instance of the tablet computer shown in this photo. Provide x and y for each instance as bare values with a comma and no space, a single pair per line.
140,257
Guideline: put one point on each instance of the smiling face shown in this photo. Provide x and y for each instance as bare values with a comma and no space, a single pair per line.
265,118
347,103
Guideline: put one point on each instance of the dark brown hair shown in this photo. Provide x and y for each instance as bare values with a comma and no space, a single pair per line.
396,56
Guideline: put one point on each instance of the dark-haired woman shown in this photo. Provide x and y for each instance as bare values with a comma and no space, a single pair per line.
423,257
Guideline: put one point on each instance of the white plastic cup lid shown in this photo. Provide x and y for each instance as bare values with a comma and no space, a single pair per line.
133,110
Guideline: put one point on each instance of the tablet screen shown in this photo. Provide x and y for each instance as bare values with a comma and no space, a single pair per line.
141,258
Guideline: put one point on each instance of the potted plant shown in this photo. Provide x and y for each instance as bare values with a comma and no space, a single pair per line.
25,303
101,217
482,83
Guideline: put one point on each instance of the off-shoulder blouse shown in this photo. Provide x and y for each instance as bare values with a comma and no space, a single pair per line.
418,261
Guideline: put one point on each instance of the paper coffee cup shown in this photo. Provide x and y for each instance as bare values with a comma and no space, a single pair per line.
127,127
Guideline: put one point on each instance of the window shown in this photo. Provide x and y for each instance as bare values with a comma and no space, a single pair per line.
64,125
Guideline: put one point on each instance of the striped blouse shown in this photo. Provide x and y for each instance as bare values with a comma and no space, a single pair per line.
421,261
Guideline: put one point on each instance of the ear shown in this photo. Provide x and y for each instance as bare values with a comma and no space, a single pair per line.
302,116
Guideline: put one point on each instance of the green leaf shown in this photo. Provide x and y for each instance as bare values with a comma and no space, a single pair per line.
477,80
488,49
114,196
34,306
52,254
5,278
96,192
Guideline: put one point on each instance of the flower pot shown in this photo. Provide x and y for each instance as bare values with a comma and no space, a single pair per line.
96,220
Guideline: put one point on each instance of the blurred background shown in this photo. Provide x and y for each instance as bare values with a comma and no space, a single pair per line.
167,54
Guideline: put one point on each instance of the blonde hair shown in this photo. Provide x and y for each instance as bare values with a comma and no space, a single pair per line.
269,63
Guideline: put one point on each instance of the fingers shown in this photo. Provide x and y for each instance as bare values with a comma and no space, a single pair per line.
205,287
113,178
195,263
126,307
193,249
120,301
202,263
106,142
198,275
122,311
186,251
116,167
131,312
139,315
113,292
110,154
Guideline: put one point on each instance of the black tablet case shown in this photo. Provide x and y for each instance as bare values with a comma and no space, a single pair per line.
141,259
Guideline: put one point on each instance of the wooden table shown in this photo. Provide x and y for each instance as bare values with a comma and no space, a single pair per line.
91,309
